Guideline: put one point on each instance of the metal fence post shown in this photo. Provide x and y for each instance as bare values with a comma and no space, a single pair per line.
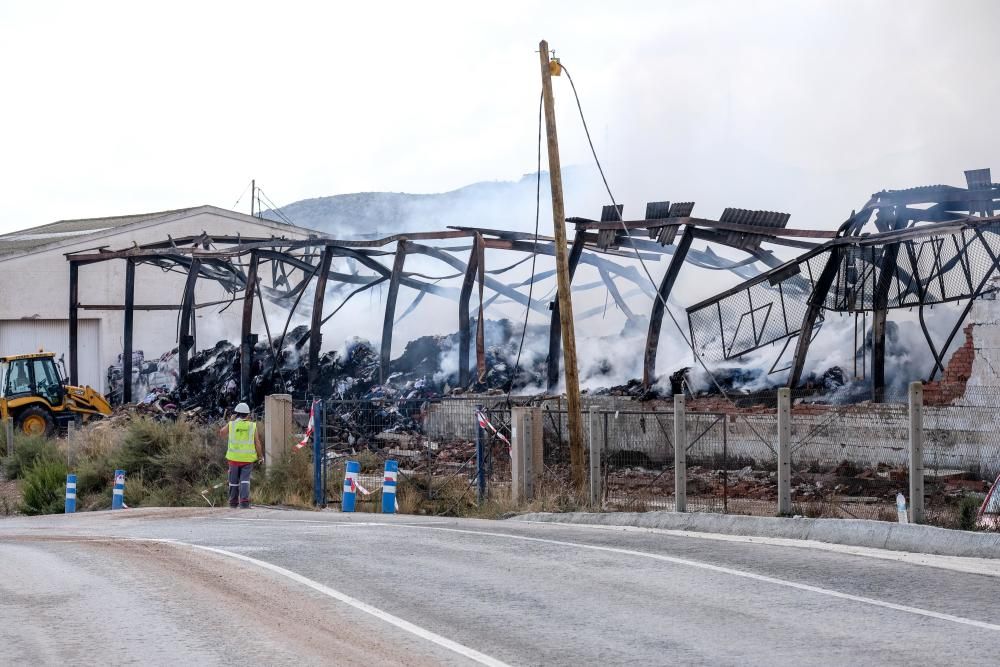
319,486
784,451
680,455
480,458
595,460
916,396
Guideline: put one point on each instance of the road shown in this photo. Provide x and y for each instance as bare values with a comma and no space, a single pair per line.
278,587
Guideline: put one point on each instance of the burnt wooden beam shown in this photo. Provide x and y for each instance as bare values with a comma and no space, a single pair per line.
74,302
127,333
464,333
185,339
659,306
390,310
555,331
246,333
815,305
316,326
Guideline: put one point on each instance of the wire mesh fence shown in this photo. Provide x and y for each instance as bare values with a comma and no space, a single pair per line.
434,443
961,457
847,461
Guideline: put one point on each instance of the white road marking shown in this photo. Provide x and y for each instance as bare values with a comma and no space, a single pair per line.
736,573
984,566
432,637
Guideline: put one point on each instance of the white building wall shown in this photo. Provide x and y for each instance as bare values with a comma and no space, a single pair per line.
36,286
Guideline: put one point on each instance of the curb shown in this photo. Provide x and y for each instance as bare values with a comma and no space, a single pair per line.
852,532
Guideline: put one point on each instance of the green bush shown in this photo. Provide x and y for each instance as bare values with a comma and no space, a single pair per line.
27,451
289,481
967,511
170,452
44,487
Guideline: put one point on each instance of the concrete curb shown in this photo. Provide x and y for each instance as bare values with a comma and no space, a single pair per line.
852,532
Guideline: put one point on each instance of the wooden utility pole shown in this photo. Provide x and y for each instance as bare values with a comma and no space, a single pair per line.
574,416
253,194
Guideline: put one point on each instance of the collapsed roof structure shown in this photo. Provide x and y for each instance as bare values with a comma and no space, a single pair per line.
903,263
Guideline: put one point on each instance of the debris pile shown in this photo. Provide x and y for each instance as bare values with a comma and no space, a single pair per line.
417,375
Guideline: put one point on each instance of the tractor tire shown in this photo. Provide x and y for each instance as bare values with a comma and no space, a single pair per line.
36,420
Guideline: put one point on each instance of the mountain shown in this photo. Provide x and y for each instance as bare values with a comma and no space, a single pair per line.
492,204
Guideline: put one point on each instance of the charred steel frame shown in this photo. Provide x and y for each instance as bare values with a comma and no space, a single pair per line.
235,263
901,265
934,244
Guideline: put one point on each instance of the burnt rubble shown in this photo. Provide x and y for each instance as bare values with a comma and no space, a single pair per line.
211,386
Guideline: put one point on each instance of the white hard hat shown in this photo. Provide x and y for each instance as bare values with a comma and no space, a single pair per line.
242,409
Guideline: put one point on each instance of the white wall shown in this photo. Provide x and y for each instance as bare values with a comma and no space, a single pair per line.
37,285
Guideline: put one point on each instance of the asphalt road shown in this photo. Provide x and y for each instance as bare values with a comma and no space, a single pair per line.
276,587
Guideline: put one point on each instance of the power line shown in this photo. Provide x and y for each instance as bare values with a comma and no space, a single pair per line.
628,233
534,250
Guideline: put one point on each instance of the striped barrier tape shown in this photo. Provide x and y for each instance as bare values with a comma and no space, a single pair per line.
485,423
310,428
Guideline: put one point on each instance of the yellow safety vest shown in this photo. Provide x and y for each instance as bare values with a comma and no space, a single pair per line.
241,441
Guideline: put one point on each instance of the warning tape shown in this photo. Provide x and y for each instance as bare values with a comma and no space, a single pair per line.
485,423
310,427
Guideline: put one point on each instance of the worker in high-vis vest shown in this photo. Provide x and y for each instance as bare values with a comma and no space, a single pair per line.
245,449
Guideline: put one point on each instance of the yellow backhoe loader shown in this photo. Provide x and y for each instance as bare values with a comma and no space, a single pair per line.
38,398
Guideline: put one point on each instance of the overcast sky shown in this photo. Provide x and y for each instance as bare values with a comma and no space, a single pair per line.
807,107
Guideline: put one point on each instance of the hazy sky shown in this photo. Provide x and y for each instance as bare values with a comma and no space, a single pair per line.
807,107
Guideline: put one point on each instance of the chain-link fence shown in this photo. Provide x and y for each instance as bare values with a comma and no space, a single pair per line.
847,461
961,457
434,443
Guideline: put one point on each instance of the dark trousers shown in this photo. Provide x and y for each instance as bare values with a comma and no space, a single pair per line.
239,484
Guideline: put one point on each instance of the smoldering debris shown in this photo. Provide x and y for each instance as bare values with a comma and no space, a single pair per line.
427,369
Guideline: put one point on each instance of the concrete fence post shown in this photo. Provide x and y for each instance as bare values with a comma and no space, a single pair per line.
520,454
916,396
680,454
595,460
784,451
278,427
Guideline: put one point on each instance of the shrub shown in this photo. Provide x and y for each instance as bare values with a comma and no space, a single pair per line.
27,451
170,452
967,511
44,487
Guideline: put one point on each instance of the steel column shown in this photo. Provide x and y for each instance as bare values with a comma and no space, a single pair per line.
315,328
390,310
127,337
463,312
659,306
816,300
555,332
74,302
185,339
246,350
880,311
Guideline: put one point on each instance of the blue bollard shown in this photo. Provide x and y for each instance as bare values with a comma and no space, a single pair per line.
70,494
389,487
118,494
350,486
